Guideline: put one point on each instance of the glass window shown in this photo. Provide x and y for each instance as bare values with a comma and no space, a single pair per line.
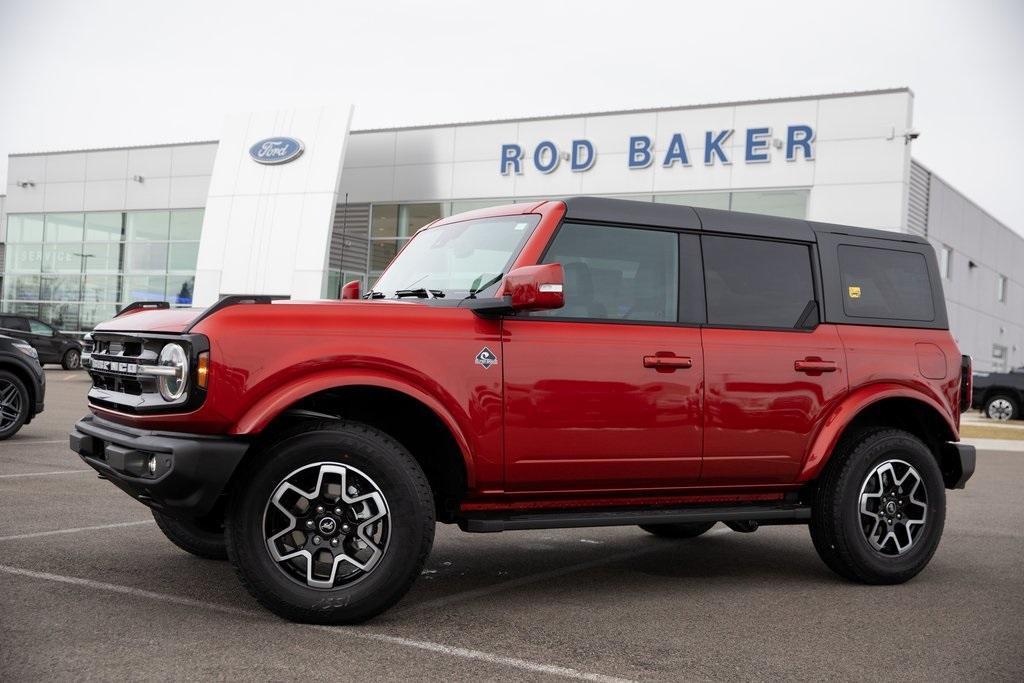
412,217
104,227
385,220
182,255
617,273
102,257
63,258
142,257
61,316
36,327
382,252
785,203
25,228
17,324
453,257
24,258
22,308
60,288
144,288
946,262
186,224
706,200
21,287
93,314
101,288
473,205
885,283
756,283
148,225
64,227
179,289
1001,286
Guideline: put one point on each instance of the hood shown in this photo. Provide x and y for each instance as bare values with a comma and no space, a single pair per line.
158,320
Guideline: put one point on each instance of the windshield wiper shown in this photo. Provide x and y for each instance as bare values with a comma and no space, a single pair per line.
421,292
476,290
374,295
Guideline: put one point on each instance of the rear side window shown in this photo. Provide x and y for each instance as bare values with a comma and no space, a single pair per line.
757,283
19,324
884,283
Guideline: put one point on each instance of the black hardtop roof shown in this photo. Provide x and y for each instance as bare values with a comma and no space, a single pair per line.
625,211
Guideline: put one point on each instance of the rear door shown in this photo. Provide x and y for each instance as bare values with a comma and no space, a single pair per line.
772,372
605,393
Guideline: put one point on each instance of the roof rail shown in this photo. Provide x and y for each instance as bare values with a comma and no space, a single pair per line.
142,305
235,299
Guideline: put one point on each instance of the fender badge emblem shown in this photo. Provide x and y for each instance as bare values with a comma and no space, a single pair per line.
486,358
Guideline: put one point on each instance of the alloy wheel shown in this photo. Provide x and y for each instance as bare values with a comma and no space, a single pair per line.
10,404
327,525
893,507
1000,409
73,360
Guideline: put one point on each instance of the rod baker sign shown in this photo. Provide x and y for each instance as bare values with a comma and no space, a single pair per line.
642,151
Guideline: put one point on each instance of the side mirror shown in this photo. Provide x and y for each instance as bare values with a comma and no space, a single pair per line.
535,288
352,290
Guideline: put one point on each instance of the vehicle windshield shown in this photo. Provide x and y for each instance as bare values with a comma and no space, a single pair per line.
457,258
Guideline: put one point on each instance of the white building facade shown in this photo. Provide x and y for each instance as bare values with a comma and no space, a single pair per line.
86,232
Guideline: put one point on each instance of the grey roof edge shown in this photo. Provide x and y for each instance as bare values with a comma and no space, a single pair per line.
1018,235
114,149
647,110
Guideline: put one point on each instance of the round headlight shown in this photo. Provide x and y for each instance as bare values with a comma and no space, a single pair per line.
173,386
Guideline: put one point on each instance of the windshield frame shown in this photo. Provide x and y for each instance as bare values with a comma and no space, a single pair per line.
532,219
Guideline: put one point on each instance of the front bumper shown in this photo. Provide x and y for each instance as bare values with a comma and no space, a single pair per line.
958,461
179,474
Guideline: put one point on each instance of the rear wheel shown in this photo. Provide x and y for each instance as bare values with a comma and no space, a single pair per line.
14,404
681,530
72,359
880,508
203,538
331,525
1002,408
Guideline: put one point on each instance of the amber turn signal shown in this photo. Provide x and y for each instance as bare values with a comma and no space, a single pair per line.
203,370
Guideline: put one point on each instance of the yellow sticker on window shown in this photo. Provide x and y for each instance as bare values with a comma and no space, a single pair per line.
854,292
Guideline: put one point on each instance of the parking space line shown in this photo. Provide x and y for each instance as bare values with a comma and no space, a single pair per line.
55,532
503,586
425,645
41,474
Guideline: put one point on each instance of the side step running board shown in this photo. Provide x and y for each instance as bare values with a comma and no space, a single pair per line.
486,523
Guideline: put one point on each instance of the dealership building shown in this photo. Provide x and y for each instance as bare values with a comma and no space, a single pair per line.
294,202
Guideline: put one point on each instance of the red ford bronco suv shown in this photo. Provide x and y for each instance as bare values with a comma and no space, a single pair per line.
586,362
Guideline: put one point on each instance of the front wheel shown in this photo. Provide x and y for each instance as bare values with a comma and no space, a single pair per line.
331,525
14,404
1002,408
72,359
880,508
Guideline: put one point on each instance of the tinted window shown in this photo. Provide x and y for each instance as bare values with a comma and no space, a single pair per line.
754,283
40,328
883,283
19,324
617,273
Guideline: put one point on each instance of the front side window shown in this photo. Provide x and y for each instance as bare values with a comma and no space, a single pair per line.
39,328
616,273
458,257
885,283
757,283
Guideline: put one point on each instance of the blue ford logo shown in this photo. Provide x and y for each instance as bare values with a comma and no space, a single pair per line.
276,150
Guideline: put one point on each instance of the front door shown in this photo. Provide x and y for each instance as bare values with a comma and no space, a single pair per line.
772,372
605,393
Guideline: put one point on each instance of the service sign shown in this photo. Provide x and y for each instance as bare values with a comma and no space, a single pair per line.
276,150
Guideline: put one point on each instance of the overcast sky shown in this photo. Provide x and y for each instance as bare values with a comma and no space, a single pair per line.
78,74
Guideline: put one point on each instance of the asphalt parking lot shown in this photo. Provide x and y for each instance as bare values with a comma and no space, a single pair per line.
89,588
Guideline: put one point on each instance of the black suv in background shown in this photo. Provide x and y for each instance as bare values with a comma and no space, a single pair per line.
52,345
22,385
999,395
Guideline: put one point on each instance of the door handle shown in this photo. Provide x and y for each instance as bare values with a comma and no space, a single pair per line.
814,366
668,363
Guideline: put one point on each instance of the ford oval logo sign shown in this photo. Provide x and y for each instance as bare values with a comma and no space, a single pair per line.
276,150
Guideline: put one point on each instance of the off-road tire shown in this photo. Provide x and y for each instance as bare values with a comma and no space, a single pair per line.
410,506
16,409
202,539
836,521
1014,408
681,530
